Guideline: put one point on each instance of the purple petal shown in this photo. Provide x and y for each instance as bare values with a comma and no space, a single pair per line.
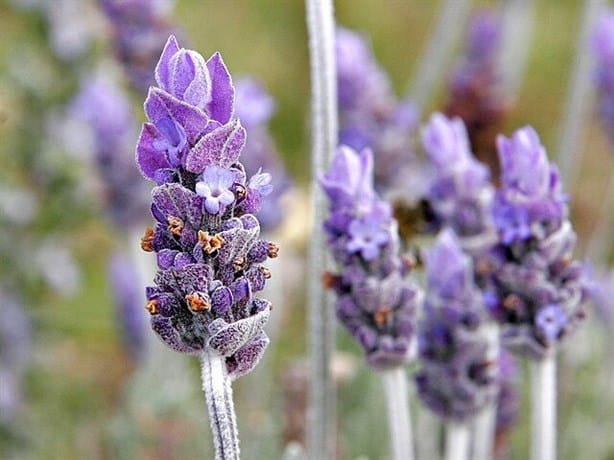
222,92
162,68
229,340
221,147
247,357
163,327
149,159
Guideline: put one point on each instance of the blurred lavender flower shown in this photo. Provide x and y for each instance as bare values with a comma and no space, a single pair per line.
603,296
458,378
537,290
475,93
375,300
460,194
15,348
254,107
206,238
369,113
140,28
603,47
108,114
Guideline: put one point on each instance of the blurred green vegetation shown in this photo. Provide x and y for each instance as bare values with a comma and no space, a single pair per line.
75,387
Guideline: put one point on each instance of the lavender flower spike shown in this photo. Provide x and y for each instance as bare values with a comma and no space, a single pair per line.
458,377
459,194
206,237
603,48
537,290
375,300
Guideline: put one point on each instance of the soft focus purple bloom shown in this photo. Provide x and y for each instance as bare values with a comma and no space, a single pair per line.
535,288
254,106
215,188
376,301
128,299
370,116
458,377
459,191
206,237
603,296
140,28
603,47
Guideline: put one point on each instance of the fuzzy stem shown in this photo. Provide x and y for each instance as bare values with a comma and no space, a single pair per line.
601,241
517,32
321,410
396,393
428,428
578,99
218,394
543,409
450,22
457,441
485,422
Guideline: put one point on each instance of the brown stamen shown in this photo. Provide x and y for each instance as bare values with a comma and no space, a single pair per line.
147,240
210,243
512,302
175,225
265,272
152,307
329,280
239,263
273,250
240,192
197,302
382,316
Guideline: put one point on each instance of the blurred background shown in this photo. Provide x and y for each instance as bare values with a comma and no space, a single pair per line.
74,381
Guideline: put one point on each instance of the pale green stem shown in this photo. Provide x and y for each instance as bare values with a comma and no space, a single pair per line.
457,441
451,20
427,434
218,394
578,99
543,408
485,422
516,35
399,422
321,410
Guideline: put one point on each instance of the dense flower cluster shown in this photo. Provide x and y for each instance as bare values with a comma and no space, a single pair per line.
460,194
475,93
603,47
140,28
536,290
369,113
206,237
107,112
254,107
375,300
458,377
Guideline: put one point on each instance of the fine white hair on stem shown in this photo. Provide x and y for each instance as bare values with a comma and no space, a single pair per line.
324,126
457,441
543,408
399,422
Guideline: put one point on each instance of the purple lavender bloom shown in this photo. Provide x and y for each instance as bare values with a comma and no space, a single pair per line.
376,301
458,378
107,112
508,403
459,194
140,28
125,281
255,107
603,47
206,237
369,113
536,291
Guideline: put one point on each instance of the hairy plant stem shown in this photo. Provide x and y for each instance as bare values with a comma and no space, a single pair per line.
484,424
543,409
451,20
218,394
399,423
321,409
577,103
457,441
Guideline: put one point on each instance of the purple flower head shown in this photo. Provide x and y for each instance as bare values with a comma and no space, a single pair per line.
458,377
350,177
206,237
254,106
459,191
376,301
603,47
215,187
603,297
369,113
530,201
483,36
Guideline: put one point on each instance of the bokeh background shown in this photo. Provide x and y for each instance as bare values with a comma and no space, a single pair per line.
82,395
